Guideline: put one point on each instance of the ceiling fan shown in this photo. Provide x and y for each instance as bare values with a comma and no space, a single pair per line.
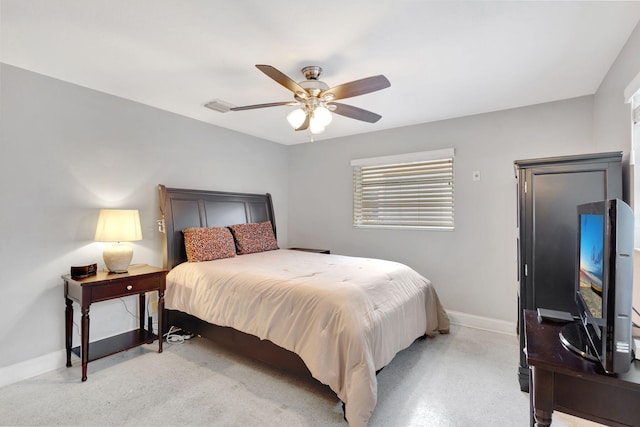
317,100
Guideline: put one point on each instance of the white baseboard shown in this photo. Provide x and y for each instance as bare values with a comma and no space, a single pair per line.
485,323
32,367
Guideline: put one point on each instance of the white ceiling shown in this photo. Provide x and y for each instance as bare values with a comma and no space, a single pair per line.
444,59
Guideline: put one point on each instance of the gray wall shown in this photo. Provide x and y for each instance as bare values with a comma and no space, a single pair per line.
67,151
612,117
473,267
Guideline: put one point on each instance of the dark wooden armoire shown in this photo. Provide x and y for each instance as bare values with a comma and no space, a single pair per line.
549,189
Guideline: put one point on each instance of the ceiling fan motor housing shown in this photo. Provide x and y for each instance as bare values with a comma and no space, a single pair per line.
314,87
312,72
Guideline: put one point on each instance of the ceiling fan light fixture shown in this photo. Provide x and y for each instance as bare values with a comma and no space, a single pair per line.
322,116
328,97
315,126
296,118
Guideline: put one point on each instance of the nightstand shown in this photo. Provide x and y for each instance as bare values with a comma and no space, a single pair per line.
320,251
105,286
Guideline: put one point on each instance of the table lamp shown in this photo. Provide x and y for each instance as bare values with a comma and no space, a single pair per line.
119,226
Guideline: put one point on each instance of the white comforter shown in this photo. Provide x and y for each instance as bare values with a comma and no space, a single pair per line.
345,317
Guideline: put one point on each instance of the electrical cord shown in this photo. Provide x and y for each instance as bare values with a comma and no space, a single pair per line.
127,309
177,335
173,336
135,316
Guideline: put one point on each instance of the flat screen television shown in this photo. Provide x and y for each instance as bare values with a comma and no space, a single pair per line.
603,285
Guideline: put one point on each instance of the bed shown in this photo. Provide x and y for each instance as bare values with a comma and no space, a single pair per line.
339,319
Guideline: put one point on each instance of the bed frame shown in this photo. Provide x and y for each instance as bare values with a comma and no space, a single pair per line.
182,208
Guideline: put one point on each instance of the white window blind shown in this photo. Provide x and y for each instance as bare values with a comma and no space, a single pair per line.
406,191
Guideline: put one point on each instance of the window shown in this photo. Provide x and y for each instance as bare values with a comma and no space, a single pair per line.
405,191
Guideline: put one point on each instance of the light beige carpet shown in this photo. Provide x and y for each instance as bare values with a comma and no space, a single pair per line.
465,378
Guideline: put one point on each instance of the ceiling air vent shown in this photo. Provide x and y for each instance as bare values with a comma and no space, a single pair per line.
219,105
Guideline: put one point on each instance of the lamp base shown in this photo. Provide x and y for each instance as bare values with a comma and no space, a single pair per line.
117,257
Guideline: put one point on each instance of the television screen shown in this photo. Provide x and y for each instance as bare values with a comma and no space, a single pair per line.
603,285
591,262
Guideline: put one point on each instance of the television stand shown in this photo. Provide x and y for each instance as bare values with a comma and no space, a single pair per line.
574,338
561,380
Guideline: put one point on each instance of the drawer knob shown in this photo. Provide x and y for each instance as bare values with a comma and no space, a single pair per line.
129,287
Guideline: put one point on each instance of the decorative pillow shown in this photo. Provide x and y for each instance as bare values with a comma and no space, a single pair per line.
205,244
254,237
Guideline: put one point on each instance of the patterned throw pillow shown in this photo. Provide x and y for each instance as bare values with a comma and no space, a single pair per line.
206,244
254,237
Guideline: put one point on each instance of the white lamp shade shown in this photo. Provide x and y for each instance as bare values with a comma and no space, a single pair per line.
323,116
296,118
315,126
118,225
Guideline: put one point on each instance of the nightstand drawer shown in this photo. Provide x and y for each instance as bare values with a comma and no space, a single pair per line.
124,288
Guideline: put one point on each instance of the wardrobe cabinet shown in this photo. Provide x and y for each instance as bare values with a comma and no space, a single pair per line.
549,189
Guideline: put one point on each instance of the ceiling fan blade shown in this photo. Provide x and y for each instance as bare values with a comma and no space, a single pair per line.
355,113
271,104
358,87
283,79
305,124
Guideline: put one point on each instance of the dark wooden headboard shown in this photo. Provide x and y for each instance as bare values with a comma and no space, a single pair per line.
182,209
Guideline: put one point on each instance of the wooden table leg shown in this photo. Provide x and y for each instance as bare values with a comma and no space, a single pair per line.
84,341
542,396
141,310
532,420
68,329
160,319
